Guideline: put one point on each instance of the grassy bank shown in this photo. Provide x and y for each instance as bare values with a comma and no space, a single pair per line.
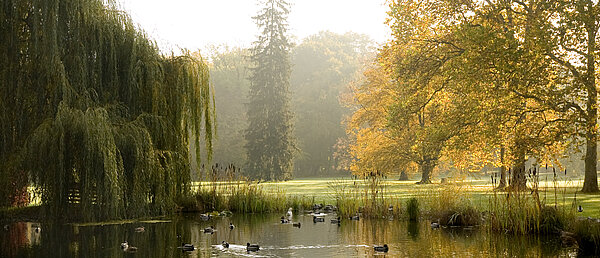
476,191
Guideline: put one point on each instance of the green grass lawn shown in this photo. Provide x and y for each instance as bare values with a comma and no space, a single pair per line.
476,190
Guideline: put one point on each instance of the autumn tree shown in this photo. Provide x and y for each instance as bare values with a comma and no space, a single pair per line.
461,85
428,109
502,66
270,145
556,42
574,36
372,147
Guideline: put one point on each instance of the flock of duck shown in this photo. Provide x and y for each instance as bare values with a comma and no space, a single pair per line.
287,219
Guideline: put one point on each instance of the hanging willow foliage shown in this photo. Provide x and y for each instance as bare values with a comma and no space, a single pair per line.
94,113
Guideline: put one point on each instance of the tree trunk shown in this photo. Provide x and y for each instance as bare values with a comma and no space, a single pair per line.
403,176
426,169
519,179
590,181
502,182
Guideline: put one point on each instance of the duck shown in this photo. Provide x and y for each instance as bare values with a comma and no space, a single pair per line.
252,248
317,207
225,213
336,221
354,217
225,244
391,208
187,247
318,219
140,229
435,225
205,217
231,226
289,213
383,248
127,248
579,209
297,225
209,230
284,220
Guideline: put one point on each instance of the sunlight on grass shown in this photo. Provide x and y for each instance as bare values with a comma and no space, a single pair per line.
478,190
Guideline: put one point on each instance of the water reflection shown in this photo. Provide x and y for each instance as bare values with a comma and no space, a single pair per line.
413,230
163,238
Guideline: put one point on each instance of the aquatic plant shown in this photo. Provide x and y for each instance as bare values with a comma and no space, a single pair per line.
229,190
588,236
366,196
452,205
524,211
412,209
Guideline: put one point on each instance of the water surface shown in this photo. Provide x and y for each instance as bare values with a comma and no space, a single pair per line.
161,238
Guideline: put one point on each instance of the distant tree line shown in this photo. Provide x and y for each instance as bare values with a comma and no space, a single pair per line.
322,66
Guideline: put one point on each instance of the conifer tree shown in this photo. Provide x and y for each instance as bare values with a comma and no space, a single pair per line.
269,135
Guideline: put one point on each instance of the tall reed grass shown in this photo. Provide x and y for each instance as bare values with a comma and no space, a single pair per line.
452,205
227,189
525,211
364,196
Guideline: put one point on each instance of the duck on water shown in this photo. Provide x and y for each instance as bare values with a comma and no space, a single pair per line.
210,230
127,248
187,247
225,244
252,248
383,248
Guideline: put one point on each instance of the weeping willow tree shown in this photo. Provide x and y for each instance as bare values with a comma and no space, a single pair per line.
93,113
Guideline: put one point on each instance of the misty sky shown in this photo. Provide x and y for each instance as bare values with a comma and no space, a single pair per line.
195,24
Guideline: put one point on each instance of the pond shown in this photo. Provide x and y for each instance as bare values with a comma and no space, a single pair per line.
163,238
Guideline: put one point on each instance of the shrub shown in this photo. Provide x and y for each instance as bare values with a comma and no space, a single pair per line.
588,236
412,209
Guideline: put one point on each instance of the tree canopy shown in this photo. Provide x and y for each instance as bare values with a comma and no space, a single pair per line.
508,81
90,109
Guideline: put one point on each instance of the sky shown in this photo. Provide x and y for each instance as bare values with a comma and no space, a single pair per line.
196,24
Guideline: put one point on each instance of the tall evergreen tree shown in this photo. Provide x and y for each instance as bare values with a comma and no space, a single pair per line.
269,135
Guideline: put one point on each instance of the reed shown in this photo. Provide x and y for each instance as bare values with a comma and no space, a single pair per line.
365,196
451,205
227,189
412,209
523,211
